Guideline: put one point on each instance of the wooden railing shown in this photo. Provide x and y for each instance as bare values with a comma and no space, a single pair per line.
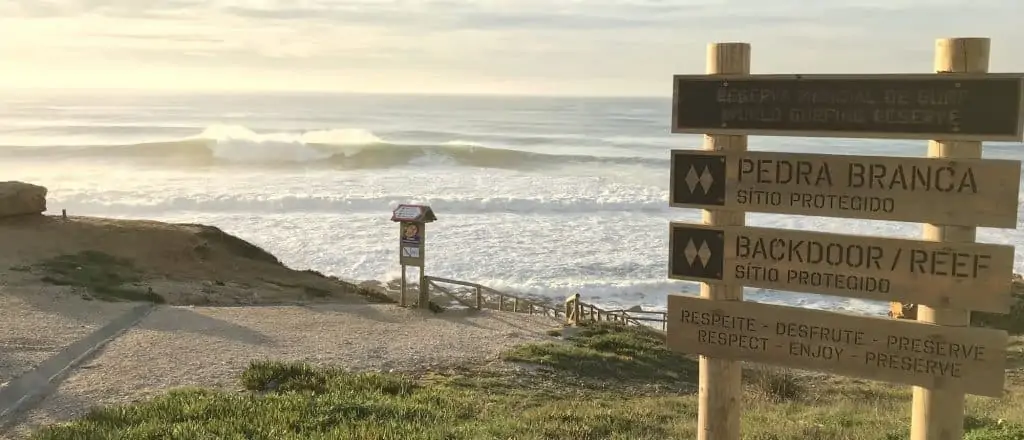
477,296
577,311
483,297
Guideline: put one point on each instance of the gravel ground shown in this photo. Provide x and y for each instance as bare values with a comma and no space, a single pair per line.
39,322
199,346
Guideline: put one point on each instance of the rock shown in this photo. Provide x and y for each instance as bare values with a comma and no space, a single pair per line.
20,198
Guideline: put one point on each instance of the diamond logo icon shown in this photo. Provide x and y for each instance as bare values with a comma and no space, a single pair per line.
704,254
697,252
698,179
690,252
692,179
706,179
702,179
697,255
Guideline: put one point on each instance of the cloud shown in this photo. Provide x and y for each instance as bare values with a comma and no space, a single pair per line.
578,46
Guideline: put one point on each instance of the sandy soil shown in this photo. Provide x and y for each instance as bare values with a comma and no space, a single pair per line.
186,346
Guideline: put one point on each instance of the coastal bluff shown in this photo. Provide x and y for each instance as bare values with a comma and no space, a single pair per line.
141,260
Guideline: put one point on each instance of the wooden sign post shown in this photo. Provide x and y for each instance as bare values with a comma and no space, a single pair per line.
412,222
953,190
720,389
938,411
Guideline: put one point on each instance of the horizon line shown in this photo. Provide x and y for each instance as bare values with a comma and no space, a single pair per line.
137,90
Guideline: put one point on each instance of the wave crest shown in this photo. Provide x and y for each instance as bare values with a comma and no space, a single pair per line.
340,148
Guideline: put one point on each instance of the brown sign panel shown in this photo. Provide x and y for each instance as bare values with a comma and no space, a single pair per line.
970,276
960,192
410,247
963,359
979,107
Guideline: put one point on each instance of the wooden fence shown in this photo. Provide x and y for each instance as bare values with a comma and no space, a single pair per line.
577,311
483,297
479,297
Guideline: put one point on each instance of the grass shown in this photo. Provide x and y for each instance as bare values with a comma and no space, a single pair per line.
608,352
290,401
102,275
1012,321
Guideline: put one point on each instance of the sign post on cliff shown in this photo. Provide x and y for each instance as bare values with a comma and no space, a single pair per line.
946,272
721,378
412,222
938,411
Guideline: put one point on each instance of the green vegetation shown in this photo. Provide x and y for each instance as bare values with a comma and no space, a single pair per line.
102,275
291,401
607,352
1012,321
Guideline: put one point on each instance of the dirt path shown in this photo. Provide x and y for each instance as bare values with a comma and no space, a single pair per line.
210,346
39,322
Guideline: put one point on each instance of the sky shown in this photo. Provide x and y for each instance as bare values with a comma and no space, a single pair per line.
535,47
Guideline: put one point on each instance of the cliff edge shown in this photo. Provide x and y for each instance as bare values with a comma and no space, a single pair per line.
139,260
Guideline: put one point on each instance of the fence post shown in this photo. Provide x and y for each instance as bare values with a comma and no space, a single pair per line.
937,413
479,298
401,298
572,309
720,384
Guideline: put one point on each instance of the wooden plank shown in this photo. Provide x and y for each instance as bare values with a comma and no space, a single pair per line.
985,107
965,192
456,282
971,360
973,276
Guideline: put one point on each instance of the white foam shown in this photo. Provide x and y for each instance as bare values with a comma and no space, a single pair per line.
462,143
237,143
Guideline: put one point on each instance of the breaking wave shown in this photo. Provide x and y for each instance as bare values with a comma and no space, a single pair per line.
340,148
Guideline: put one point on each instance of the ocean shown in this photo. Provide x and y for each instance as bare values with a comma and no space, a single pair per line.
541,195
